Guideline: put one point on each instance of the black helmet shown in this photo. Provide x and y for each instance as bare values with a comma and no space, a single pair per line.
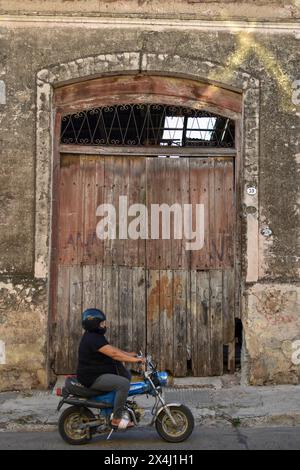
91,318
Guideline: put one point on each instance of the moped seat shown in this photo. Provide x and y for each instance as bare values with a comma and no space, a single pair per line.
73,387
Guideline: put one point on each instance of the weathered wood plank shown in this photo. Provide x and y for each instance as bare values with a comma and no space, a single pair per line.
99,292
124,253
89,193
229,209
100,186
105,91
65,207
180,322
166,320
126,151
202,322
118,188
192,322
212,211
167,195
88,287
179,195
220,221
75,328
111,302
228,306
70,221
132,191
188,322
216,325
136,251
199,194
125,308
153,324
139,309
108,199
153,187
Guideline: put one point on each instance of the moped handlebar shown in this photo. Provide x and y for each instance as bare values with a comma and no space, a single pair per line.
148,363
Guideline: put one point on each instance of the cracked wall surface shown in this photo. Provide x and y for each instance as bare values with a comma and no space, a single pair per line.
262,66
208,9
23,329
272,327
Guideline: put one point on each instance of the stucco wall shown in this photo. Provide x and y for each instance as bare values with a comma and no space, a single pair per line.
207,9
270,58
22,332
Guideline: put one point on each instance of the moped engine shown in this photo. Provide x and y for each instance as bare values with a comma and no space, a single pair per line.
138,411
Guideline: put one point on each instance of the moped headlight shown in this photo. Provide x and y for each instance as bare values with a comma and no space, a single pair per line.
163,378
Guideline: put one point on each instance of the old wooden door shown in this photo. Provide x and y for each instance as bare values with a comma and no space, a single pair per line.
176,303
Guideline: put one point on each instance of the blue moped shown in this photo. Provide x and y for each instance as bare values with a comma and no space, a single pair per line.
174,422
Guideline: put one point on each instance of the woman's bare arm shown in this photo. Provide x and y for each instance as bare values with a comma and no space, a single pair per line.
118,354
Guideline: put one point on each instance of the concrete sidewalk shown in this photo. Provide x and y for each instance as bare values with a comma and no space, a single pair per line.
212,403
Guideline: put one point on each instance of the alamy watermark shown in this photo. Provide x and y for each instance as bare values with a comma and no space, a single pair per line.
152,223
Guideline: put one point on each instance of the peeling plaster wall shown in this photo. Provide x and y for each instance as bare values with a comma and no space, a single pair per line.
263,66
272,328
23,331
256,9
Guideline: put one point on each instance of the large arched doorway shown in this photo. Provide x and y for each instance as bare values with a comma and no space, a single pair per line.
169,146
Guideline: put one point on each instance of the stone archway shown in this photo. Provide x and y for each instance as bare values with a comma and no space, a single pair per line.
91,67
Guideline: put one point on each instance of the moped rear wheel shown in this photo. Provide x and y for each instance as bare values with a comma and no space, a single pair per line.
71,425
184,424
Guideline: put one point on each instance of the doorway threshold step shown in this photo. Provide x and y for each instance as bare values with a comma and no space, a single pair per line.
197,382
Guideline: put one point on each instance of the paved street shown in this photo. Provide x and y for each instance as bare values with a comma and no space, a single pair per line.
233,417
238,405
203,438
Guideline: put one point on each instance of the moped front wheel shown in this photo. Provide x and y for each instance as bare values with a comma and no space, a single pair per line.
170,431
71,425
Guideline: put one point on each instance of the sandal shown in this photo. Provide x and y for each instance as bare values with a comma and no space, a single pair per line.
122,424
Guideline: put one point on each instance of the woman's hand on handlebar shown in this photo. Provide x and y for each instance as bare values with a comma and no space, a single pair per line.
141,360
142,364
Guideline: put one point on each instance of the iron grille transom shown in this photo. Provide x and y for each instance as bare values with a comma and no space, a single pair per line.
148,125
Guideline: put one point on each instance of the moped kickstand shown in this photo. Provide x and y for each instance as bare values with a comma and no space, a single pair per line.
110,433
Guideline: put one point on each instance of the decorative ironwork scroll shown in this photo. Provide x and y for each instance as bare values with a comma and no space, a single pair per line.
148,125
